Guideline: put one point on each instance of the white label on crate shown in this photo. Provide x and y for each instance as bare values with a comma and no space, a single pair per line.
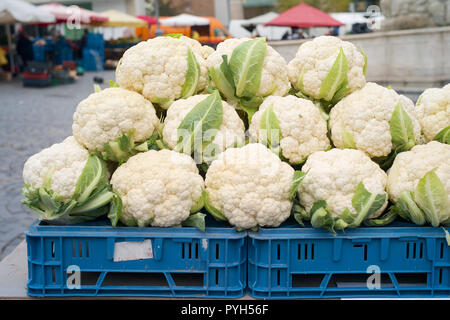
205,244
127,251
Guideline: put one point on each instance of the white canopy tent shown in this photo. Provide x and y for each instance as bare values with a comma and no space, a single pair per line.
262,19
237,30
270,32
13,11
183,20
349,18
19,11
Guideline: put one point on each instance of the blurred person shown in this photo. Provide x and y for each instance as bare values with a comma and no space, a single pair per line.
296,34
82,43
24,48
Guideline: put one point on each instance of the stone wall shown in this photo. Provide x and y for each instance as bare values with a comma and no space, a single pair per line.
416,58
409,14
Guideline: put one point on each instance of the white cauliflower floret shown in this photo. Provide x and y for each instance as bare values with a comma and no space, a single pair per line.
157,188
433,111
365,115
334,175
250,186
204,51
303,130
64,161
274,78
314,60
231,130
157,68
410,166
207,51
106,115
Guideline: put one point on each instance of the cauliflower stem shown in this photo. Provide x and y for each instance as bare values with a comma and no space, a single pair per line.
122,148
216,213
239,79
196,220
333,88
364,202
443,136
402,133
205,116
427,204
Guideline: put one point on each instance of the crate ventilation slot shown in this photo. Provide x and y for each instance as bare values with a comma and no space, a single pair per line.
77,249
364,247
305,251
414,250
189,250
152,279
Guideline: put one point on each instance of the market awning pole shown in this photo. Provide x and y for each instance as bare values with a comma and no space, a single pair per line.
158,31
11,58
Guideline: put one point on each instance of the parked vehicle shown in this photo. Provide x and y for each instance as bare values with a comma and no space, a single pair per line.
211,34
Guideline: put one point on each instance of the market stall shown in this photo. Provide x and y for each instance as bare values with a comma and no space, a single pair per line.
304,17
119,34
257,27
18,11
77,44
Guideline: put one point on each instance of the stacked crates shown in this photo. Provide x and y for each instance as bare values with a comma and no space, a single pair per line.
401,261
94,52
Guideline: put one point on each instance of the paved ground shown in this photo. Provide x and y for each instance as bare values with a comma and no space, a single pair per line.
31,119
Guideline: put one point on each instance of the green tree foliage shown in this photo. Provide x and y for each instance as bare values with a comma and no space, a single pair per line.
324,5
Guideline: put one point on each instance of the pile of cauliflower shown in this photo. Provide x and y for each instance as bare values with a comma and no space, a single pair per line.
244,136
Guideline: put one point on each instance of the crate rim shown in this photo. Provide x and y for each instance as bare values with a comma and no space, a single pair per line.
396,231
79,230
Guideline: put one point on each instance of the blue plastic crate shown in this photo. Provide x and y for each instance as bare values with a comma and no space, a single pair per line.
295,262
93,60
178,262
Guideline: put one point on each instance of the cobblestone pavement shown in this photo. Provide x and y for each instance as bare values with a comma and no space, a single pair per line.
31,119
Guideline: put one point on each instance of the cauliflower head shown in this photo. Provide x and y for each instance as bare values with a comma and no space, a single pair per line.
419,184
157,188
230,132
410,166
334,176
162,69
64,184
433,111
250,186
314,60
106,115
362,120
63,161
301,128
274,78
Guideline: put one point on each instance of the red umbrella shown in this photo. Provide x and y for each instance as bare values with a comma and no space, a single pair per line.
304,16
149,20
64,14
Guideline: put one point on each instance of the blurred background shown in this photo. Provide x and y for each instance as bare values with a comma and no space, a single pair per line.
51,54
